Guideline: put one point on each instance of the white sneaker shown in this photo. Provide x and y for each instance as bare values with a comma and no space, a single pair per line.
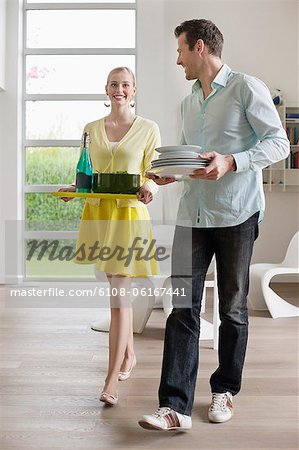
221,409
166,419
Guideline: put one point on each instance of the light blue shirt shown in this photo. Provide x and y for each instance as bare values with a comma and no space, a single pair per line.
238,118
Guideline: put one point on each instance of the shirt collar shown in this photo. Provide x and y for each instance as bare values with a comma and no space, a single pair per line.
220,79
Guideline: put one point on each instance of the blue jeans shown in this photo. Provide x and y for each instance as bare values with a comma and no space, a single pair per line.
232,247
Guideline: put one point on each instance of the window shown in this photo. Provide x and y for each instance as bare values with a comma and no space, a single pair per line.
69,47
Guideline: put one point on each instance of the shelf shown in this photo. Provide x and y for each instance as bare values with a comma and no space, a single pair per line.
274,187
280,177
274,168
285,169
94,195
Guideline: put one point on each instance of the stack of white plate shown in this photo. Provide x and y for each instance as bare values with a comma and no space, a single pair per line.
178,161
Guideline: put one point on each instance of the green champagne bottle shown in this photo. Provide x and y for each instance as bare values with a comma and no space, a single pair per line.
84,168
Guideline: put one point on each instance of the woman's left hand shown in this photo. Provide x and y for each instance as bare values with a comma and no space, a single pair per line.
145,195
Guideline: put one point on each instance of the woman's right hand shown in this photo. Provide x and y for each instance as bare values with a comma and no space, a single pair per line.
70,188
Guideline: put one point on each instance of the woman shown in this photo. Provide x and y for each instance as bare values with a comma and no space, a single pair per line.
121,141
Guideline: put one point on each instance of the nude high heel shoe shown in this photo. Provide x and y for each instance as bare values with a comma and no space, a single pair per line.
108,399
122,376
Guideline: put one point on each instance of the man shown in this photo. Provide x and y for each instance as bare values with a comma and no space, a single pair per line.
232,117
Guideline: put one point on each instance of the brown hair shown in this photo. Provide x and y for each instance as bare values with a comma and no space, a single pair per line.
121,69
201,29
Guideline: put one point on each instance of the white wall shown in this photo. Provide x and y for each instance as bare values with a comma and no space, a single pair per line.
280,224
261,38
2,43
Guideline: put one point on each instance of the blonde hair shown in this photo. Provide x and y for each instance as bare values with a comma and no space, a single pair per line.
121,69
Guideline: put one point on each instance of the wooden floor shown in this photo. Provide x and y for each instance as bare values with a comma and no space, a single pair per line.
52,367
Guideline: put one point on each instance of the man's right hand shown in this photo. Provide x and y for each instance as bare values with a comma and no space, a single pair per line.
71,188
161,181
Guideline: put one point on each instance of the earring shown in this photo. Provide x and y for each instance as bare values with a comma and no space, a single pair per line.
132,103
107,103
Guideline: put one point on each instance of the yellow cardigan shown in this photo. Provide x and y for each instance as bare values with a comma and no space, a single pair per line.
133,153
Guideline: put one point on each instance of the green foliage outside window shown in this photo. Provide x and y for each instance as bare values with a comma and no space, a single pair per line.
51,166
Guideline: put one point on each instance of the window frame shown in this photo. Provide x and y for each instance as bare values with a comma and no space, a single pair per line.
46,188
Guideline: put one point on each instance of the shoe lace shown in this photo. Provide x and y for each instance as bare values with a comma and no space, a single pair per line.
218,402
161,412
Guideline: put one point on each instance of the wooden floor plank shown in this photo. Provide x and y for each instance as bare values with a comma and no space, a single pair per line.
52,367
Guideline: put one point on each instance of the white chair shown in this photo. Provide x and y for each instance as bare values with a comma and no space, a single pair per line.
142,303
209,330
164,235
261,296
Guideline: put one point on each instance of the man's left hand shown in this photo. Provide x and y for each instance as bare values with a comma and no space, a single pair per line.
219,166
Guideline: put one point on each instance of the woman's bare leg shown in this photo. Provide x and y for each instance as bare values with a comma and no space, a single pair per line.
120,331
129,353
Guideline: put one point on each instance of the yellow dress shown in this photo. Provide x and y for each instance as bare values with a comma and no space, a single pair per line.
116,235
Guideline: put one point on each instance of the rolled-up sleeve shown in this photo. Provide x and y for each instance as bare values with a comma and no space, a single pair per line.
150,154
273,144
